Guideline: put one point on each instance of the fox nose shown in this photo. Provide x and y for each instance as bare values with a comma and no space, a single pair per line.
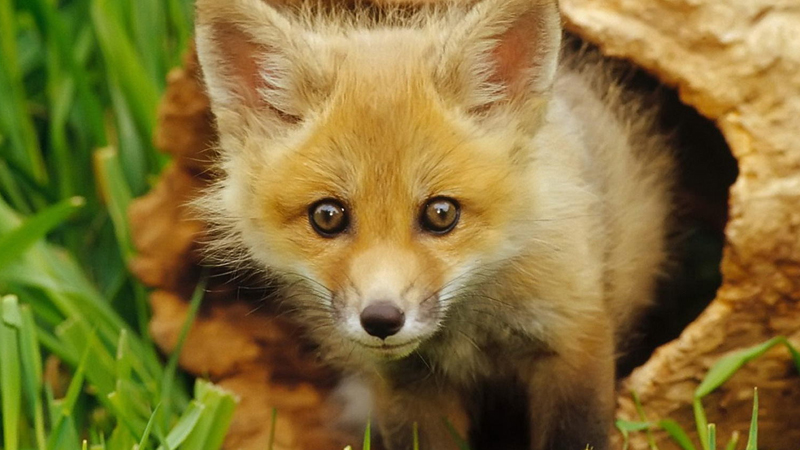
382,319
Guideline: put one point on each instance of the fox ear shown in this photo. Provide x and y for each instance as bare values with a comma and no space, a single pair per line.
503,51
251,62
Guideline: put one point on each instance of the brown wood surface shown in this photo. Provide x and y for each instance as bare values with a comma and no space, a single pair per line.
738,63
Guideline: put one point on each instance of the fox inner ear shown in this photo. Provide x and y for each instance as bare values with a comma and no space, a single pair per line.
237,75
505,51
245,62
526,53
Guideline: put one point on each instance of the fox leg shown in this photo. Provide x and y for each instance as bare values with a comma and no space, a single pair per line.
571,399
396,413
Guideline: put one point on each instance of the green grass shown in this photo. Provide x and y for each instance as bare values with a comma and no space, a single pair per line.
79,87
719,373
116,373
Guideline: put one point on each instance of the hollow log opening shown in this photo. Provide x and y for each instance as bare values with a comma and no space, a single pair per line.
736,62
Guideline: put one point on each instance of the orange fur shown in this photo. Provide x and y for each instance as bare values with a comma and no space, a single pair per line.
563,195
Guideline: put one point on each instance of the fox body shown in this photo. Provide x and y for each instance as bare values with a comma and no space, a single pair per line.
448,205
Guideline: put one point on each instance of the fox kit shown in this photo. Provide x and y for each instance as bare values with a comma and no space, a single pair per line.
457,216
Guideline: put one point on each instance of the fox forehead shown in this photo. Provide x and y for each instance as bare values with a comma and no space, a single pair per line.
385,158
381,49
386,118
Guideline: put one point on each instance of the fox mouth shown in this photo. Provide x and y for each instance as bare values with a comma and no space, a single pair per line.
393,351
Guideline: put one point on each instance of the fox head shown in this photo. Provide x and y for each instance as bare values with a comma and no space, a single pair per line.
383,165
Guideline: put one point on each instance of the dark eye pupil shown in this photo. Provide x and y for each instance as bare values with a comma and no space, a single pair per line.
440,215
328,217
327,214
441,211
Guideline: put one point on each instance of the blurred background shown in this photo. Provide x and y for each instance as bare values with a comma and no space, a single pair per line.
79,76
80,81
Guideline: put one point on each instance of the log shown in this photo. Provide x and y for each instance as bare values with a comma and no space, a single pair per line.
737,63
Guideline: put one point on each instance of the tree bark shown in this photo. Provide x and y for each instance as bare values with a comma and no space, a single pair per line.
737,62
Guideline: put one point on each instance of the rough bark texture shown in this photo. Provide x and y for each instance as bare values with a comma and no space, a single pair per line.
736,61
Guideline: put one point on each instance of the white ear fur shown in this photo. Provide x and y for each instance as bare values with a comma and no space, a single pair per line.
502,51
251,56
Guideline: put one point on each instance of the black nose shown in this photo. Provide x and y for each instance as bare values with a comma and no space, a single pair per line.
382,319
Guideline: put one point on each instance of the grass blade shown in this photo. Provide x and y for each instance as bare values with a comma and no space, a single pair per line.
733,442
752,437
16,242
64,436
121,438
712,436
124,360
116,195
651,440
367,436
184,426
146,435
171,368
213,424
149,28
68,52
10,372
134,148
701,422
180,15
677,434
75,386
30,355
729,364
123,63
628,426
15,120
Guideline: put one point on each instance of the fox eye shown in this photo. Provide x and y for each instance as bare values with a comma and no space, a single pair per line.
440,215
328,217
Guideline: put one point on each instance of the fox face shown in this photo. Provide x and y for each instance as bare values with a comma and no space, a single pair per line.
381,168
397,218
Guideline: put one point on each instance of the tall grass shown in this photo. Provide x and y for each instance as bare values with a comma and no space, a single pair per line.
79,86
